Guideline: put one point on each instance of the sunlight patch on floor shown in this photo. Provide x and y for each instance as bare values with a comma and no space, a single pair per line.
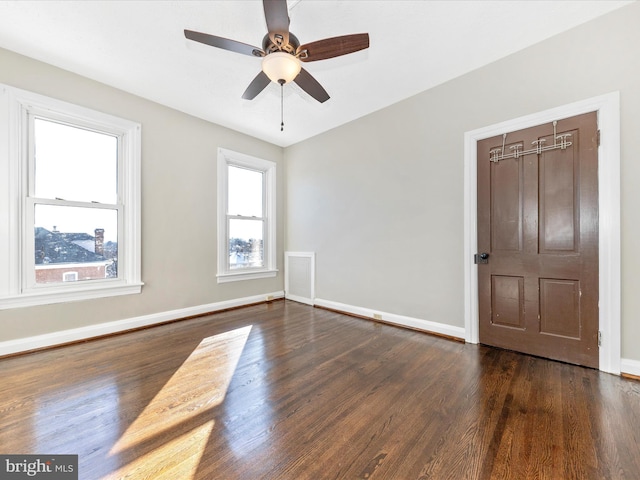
177,458
173,429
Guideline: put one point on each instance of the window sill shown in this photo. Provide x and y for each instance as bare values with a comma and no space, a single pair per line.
251,275
63,295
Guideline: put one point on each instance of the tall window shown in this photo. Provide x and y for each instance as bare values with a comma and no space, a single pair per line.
74,202
71,213
246,217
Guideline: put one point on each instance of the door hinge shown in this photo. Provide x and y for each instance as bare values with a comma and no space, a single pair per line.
599,338
598,137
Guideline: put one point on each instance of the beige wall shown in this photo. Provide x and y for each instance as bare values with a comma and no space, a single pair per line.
179,155
380,200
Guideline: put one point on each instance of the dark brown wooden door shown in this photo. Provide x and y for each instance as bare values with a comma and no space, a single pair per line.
538,221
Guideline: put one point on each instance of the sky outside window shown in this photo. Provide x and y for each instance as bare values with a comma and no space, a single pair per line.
75,164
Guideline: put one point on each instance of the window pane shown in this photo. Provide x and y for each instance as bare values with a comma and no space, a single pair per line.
75,164
245,192
245,244
75,240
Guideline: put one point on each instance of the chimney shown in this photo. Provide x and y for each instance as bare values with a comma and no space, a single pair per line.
99,238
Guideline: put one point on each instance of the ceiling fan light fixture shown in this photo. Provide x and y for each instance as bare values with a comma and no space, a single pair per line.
281,66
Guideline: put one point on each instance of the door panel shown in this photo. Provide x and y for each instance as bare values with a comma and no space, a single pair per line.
538,220
559,200
560,307
508,301
506,206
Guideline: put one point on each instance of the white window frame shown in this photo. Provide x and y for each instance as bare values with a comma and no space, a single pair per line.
17,108
228,158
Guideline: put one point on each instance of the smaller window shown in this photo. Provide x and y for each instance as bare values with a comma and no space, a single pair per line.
246,217
70,277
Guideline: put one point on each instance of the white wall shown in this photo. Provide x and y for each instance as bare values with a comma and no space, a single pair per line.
380,200
179,245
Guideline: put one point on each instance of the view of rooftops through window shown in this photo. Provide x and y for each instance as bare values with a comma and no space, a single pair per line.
246,222
75,203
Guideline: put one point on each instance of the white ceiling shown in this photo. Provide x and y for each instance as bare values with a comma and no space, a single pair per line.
139,47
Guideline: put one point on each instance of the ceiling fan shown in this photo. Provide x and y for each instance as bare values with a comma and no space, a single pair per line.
282,53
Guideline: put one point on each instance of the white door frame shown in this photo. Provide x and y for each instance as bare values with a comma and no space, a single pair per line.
608,108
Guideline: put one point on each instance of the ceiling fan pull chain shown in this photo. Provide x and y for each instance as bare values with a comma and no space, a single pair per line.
281,82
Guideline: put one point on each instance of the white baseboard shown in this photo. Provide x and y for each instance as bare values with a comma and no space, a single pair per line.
10,347
632,367
417,323
296,298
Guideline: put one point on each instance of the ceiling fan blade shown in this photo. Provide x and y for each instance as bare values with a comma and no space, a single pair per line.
224,43
256,86
277,17
333,47
310,85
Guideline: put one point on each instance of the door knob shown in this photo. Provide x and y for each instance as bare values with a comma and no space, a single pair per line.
481,257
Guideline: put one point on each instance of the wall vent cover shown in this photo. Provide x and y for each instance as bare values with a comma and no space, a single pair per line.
299,278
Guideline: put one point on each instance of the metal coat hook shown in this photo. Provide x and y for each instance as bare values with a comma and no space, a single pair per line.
497,154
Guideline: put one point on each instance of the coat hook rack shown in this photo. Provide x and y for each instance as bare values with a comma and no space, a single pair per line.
559,141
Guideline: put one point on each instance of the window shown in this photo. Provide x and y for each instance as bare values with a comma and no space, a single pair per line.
246,217
71,214
70,277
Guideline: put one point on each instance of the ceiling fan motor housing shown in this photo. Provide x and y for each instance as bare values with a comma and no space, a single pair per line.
269,47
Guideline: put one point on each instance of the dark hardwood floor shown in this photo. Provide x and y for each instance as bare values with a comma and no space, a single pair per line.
286,391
